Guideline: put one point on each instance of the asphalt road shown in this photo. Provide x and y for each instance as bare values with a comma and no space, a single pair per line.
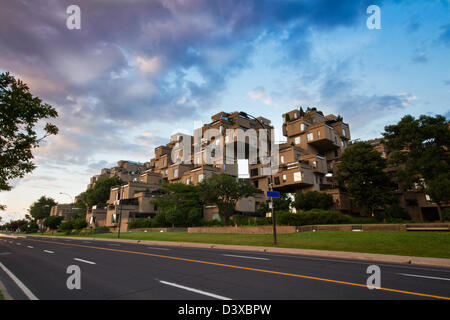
36,268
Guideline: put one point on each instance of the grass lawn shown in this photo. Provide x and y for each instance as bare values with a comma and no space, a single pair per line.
419,244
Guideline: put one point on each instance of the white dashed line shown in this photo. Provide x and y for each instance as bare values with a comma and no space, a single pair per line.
195,290
85,261
419,276
19,283
158,248
48,251
30,247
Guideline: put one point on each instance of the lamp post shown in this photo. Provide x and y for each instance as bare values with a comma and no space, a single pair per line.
271,180
71,202
120,214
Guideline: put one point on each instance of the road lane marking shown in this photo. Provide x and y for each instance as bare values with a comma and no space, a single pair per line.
245,257
212,295
85,261
48,251
250,269
419,276
87,242
18,243
19,283
30,247
113,244
159,248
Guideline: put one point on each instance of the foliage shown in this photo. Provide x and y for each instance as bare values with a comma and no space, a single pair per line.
15,225
30,227
313,200
361,174
140,223
40,209
314,216
53,222
20,111
101,229
99,194
79,223
66,226
420,149
242,220
180,205
224,191
283,203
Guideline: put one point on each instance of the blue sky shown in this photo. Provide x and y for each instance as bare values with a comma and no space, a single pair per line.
138,71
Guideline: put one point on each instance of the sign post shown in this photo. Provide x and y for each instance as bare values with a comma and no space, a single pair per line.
271,195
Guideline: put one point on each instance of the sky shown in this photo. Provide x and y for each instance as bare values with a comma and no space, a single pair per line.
139,70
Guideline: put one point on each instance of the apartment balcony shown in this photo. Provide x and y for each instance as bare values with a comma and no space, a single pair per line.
292,177
323,137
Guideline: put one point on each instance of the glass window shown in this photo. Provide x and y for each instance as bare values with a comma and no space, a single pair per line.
175,173
297,140
318,133
201,177
284,178
302,126
310,136
282,159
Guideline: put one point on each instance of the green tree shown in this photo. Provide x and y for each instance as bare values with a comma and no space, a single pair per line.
421,153
224,191
313,200
361,174
40,209
283,203
99,194
79,223
53,222
20,111
180,203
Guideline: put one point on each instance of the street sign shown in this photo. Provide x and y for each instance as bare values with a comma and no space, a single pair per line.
273,194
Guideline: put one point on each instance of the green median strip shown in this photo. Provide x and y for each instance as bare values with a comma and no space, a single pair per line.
418,244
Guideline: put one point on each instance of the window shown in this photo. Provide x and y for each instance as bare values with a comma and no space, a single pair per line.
314,164
318,133
164,162
343,132
295,115
282,159
188,181
277,180
166,172
254,172
175,173
297,140
284,178
201,177
302,126
249,204
310,136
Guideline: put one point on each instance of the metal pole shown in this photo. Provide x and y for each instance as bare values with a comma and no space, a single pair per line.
270,185
120,214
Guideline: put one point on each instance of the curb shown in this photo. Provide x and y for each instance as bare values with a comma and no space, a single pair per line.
422,261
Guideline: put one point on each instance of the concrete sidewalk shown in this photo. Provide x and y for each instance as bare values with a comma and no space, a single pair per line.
436,262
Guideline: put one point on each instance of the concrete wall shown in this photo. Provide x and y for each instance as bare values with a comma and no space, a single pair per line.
243,230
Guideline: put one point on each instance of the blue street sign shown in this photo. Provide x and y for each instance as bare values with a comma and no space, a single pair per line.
273,194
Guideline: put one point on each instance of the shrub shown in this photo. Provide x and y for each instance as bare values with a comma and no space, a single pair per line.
79,223
101,229
313,200
66,226
211,223
315,216
140,223
446,214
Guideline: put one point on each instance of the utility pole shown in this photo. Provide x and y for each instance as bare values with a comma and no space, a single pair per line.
120,214
271,179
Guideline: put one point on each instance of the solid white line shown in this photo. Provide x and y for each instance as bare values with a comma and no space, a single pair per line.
85,261
30,247
48,251
19,283
195,290
245,257
158,248
419,276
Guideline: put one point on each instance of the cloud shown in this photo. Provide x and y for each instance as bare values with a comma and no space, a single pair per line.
260,93
444,37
